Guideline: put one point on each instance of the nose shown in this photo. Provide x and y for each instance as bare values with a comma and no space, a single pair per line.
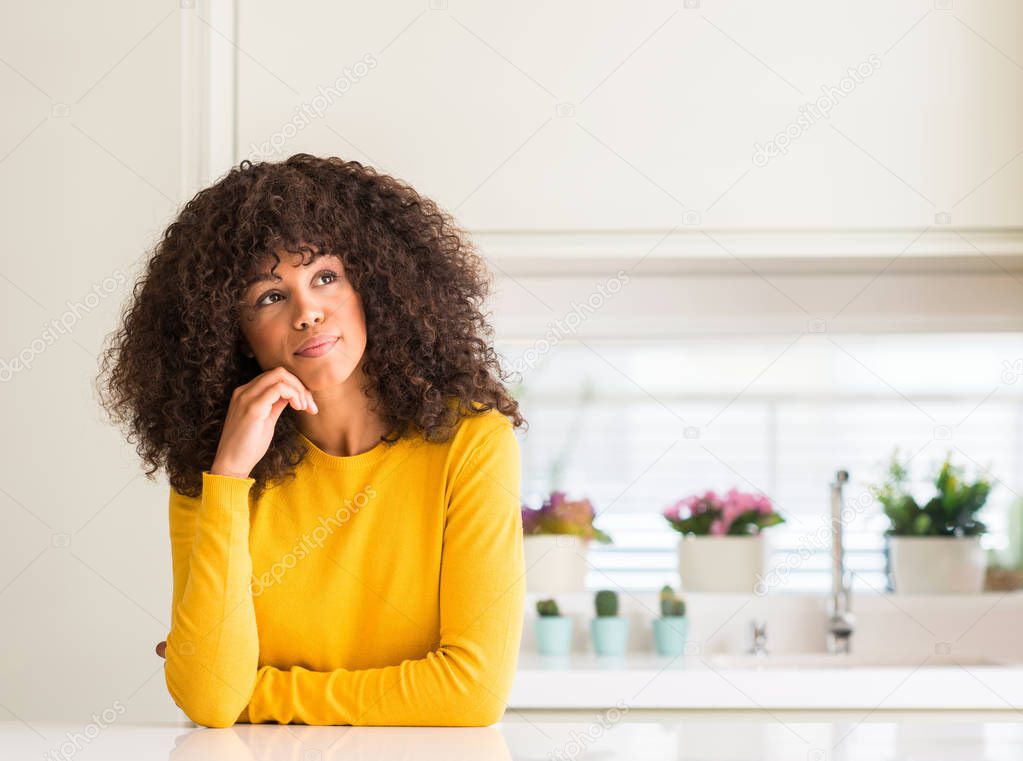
309,313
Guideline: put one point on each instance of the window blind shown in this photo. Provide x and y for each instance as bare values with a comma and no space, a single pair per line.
635,426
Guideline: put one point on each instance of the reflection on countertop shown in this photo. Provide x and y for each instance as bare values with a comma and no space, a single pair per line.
611,734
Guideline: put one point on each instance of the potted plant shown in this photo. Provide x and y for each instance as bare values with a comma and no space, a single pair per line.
556,538
721,547
670,628
610,632
934,546
553,630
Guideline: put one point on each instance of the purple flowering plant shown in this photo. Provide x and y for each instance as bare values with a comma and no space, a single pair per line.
734,513
560,515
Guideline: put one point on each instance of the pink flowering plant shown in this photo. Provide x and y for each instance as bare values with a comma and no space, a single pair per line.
560,515
735,513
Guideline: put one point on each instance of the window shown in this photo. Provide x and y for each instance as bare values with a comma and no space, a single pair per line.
637,425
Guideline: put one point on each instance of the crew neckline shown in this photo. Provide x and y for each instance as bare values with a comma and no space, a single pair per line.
338,462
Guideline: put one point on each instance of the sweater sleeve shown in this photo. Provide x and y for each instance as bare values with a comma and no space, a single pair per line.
466,680
213,646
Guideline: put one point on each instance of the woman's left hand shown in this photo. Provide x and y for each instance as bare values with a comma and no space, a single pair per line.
161,648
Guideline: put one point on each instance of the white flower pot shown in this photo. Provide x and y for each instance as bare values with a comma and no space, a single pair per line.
555,563
937,564
713,563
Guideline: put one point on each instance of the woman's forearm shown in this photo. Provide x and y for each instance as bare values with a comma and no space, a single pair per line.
212,648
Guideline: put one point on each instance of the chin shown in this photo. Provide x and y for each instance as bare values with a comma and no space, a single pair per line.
325,377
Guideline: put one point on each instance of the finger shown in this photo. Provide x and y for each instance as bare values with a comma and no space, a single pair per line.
258,385
286,376
282,373
280,390
277,409
308,403
289,377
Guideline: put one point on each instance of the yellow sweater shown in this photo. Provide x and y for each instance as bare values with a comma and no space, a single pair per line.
385,588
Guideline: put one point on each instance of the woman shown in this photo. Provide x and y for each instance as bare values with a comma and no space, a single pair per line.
306,357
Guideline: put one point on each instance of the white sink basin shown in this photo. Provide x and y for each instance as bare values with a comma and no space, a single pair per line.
851,660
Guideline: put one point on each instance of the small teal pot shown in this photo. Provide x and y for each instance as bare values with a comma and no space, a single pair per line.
553,635
610,634
670,635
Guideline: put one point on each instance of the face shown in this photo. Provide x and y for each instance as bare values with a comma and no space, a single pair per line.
280,314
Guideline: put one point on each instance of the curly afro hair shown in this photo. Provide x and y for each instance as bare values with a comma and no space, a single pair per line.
169,370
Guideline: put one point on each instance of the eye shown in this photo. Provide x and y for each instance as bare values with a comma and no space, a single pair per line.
263,301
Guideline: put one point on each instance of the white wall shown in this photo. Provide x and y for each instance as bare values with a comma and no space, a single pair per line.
89,174
666,103
579,138
109,127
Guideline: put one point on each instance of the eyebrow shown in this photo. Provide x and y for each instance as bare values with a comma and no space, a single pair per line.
266,276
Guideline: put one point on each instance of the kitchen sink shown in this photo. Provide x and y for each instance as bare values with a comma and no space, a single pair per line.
847,660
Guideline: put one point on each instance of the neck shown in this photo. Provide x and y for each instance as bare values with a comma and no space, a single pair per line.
345,424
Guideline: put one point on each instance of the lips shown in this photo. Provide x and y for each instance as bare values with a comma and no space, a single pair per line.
316,346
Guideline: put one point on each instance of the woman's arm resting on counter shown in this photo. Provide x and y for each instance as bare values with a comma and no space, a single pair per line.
467,679
212,648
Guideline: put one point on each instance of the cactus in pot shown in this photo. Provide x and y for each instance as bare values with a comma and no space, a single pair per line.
553,630
609,631
606,603
670,628
671,605
547,608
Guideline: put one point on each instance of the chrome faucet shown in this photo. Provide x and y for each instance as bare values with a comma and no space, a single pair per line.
758,637
840,619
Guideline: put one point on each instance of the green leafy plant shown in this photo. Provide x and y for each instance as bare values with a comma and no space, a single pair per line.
547,608
951,511
671,605
606,602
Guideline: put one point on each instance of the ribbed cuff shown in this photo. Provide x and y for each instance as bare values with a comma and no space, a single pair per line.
257,711
228,491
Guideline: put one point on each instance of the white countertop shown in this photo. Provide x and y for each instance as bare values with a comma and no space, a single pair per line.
605,736
647,681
